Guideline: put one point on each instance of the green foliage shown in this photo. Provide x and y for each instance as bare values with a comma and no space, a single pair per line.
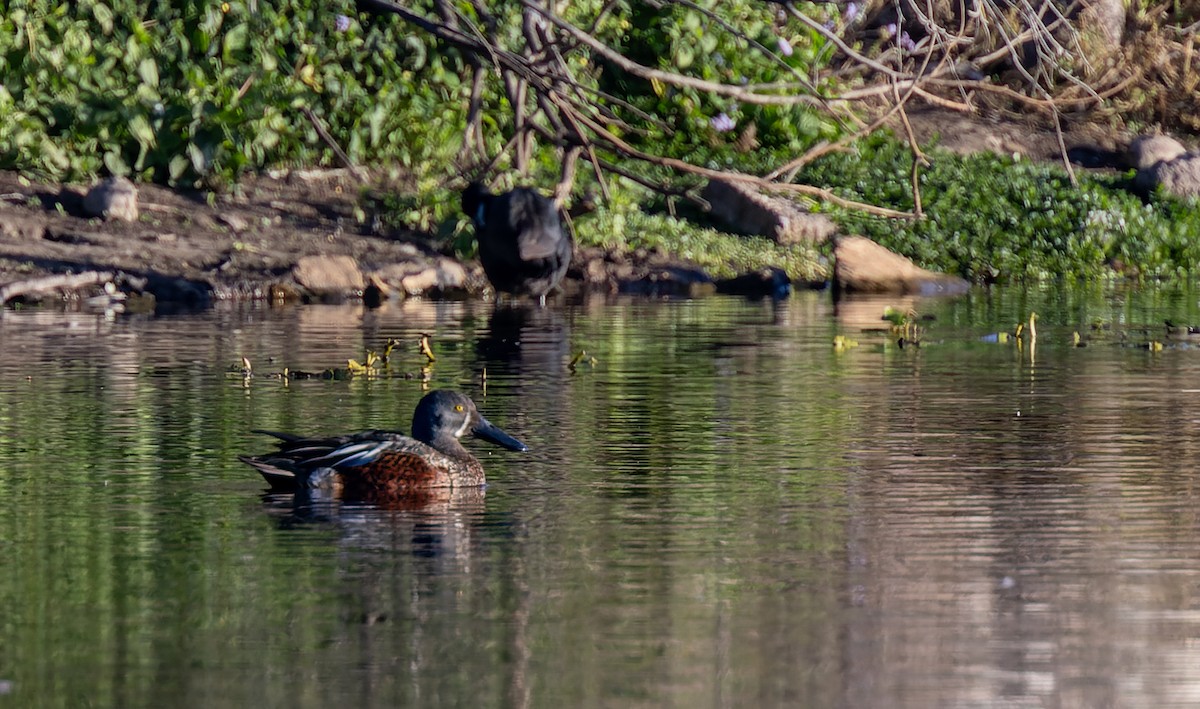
197,92
624,225
430,209
681,39
991,219
200,92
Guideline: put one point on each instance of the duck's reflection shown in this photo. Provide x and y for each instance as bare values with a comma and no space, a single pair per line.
438,524
522,337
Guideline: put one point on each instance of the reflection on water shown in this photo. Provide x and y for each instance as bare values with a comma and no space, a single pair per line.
724,511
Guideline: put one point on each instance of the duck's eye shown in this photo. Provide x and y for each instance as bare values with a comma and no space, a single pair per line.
458,408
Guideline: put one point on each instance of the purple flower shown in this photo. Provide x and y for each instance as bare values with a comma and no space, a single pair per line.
850,12
343,23
722,123
785,48
889,30
906,43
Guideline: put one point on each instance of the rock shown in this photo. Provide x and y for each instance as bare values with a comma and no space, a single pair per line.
863,266
422,275
112,198
749,211
233,221
769,282
21,228
1147,150
642,272
172,293
282,293
1179,177
326,276
1107,19
675,280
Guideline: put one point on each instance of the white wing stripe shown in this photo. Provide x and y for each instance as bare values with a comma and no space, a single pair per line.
354,454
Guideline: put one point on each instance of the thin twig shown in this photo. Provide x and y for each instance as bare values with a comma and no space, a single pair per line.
735,92
337,149
563,190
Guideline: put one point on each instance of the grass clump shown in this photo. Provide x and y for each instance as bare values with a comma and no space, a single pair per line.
624,225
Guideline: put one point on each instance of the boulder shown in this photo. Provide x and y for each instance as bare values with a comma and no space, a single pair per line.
1179,177
749,211
768,282
421,275
18,227
863,266
642,271
329,276
112,198
1146,151
1106,19
675,280
235,223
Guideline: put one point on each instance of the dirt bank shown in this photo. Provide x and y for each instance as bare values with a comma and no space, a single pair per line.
288,235
291,235
238,245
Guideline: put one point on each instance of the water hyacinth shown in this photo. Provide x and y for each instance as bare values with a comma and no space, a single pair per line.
722,123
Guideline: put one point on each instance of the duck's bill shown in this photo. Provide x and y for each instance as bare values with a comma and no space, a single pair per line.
488,432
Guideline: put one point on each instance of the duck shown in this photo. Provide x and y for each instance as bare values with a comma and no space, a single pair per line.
522,245
381,465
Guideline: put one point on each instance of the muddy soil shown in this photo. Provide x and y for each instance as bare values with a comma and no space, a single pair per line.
239,244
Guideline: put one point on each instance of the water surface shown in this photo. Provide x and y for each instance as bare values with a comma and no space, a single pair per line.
723,510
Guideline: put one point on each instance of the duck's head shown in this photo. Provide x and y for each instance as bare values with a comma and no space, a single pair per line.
447,415
474,201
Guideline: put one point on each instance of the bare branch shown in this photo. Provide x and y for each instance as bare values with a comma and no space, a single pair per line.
645,72
337,149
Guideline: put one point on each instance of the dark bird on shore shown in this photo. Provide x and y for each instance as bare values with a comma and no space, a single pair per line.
522,245
383,466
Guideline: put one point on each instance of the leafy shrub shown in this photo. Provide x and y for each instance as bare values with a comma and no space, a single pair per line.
991,219
204,90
